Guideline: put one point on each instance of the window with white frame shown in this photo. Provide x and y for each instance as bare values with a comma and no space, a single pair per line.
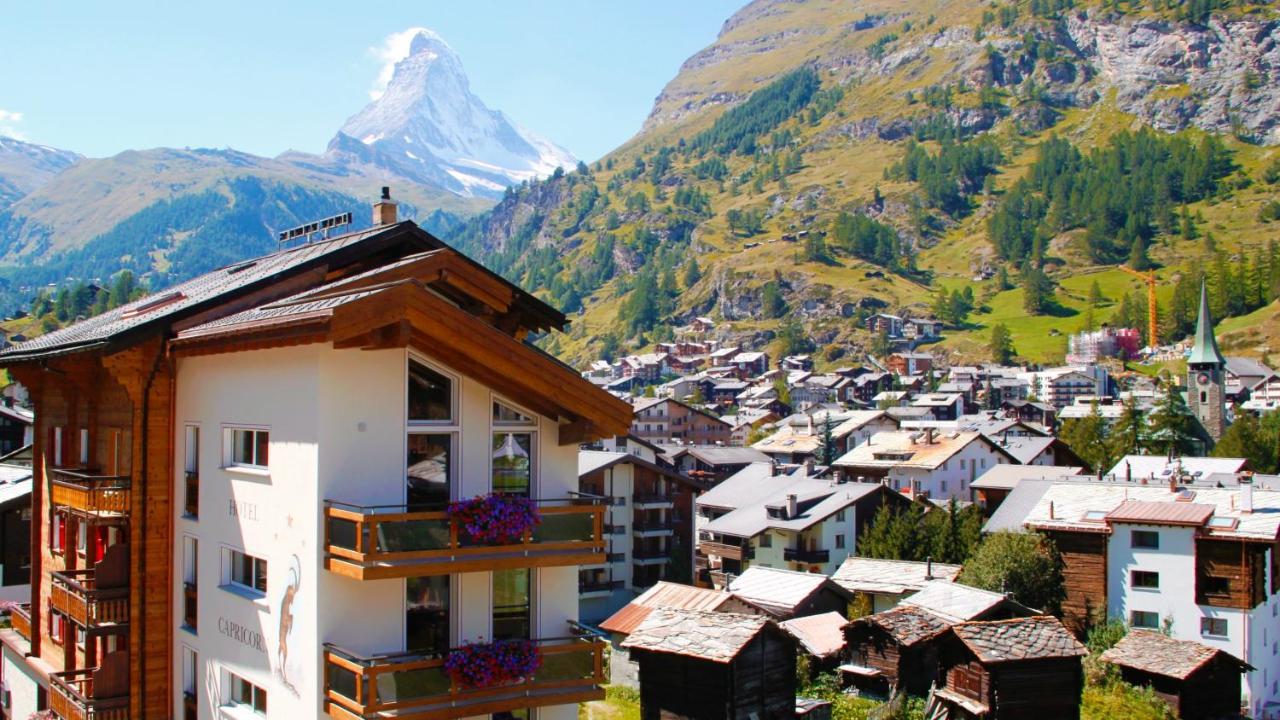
512,460
57,446
57,533
243,572
246,447
244,694
84,446
432,397
190,672
191,468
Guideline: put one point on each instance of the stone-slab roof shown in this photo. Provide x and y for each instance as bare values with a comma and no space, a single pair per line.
1159,654
713,636
1034,638
907,624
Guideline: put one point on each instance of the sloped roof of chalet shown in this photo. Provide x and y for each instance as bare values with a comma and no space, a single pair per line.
1030,638
779,592
1161,513
922,454
663,595
1158,654
1159,467
1247,367
590,461
713,636
306,265
1085,506
907,624
1026,449
890,577
1013,511
816,500
820,635
641,404
956,602
726,455
1008,477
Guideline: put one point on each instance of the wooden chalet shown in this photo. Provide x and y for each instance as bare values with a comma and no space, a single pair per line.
709,665
103,637
1197,681
1020,669
820,638
893,650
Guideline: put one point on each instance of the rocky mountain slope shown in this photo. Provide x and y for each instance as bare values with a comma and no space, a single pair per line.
168,214
824,159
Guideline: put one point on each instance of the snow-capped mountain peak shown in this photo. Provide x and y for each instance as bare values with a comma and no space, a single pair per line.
427,124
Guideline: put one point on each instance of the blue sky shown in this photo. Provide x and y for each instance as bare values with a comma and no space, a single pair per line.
263,77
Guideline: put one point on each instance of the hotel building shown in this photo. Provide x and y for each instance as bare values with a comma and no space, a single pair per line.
244,485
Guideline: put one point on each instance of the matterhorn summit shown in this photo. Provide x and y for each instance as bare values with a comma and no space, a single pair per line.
427,125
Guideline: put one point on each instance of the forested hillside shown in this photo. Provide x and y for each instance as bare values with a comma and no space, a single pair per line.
989,164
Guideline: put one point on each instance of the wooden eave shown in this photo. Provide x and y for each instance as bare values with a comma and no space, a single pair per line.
407,313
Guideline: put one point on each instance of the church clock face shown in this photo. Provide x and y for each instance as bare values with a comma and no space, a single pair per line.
1203,378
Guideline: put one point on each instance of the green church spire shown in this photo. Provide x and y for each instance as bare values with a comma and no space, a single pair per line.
1205,351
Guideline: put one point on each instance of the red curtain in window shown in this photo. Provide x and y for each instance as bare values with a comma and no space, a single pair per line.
62,533
99,543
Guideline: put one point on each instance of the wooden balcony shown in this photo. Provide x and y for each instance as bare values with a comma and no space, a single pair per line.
374,542
100,693
417,687
801,555
89,492
76,594
724,550
20,620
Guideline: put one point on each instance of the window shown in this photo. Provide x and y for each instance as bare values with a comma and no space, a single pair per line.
57,533
503,415
512,604
246,572
1149,539
513,462
1144,579
840,541
429,469
82,537
56,626
1213,627
839,516
248,447
430,394
1144,619
427,617
57,446
247,695
190,598
191,467
766,540
84,446
190,673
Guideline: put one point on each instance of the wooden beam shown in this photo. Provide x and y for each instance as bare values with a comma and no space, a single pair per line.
576,432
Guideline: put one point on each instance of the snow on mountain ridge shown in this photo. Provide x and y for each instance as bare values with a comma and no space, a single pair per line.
428,114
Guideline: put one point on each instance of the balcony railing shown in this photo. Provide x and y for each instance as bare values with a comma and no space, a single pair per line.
652,500
805,556
409,686
72,697
651,529
649,556
20,620
89,492
75,594
724,550
371,542
599,587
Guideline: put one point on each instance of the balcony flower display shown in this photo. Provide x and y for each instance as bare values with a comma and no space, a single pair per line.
482,665
496,518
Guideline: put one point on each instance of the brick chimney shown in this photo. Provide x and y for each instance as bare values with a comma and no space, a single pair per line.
1246,492
384,211
793,507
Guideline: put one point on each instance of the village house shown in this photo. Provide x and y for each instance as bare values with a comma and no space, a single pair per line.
646,368
664,420
1197,560
941,406
761,518
868,386
893,650
1007,669
784,594
797,362
711,665
993,486
879,585
17,426
623,670
1042,414
820,390
750,364
820,638
924,463
884,323
648,527
909,363
799,437
1197,681
243,490
711,464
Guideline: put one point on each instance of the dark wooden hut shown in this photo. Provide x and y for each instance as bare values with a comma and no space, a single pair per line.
895,649
709,665
1021,669
1198,682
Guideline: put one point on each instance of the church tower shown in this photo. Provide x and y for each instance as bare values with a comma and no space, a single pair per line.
1206,375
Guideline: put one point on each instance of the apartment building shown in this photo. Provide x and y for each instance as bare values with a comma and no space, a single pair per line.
663,420
1198,562
759,518
648,529
272,491
925,462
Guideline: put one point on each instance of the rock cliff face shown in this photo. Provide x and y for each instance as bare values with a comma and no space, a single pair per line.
1220,77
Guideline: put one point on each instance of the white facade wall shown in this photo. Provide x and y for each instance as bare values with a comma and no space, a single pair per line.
1253,636
337,422
619,482
22,684
952,478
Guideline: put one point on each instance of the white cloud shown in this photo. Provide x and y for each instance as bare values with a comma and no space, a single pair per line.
8,122
392,50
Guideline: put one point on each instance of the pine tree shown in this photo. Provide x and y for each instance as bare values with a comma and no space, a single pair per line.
1174,430
1128,435
828,451
1001,345
1138,259
1257,440
692,273
1086,437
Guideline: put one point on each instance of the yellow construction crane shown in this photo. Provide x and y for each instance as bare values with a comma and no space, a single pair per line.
1149,277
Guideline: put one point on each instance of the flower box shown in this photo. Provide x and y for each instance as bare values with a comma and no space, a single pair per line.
495,519
484,665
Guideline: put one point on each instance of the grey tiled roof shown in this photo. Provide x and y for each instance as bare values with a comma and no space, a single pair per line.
1033,638
906,624
714,636
1159,654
